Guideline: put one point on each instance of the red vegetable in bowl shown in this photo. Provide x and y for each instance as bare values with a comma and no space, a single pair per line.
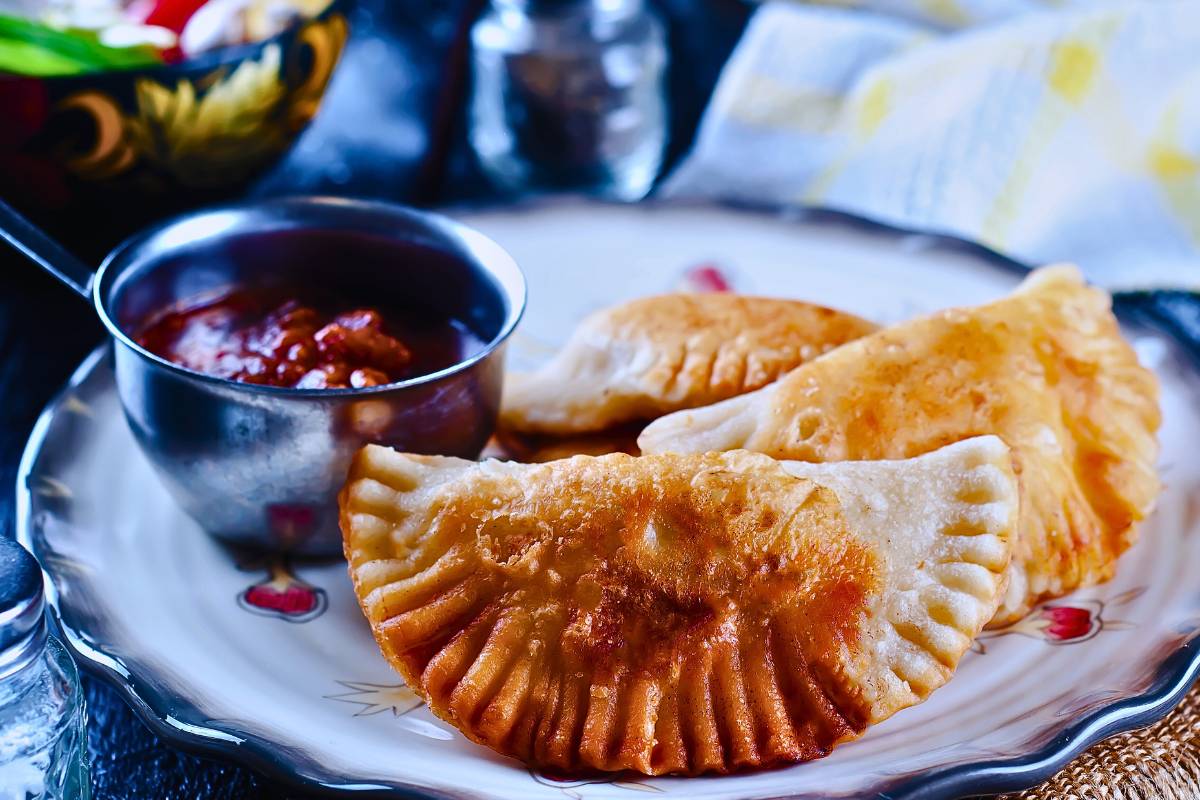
172,14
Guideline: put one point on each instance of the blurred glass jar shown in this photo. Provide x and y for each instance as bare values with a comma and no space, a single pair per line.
42,717
568,95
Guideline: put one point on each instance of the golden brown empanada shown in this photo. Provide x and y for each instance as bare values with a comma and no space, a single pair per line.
537,448
646,358
687,614
1046,369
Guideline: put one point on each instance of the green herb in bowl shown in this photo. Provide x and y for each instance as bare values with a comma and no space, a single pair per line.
32,48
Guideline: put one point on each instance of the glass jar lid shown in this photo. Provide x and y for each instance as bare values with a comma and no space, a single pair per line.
22,624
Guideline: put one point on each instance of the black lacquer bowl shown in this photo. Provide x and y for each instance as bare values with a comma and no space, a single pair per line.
95,157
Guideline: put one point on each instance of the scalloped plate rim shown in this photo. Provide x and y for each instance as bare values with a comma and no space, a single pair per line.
1173,677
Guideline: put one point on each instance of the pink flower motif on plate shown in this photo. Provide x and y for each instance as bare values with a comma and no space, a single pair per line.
1064,622
707,277
283,595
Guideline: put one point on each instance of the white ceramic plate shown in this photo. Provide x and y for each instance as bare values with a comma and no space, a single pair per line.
272,663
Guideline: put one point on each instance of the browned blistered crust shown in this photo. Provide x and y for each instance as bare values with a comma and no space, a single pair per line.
666,614
1046,369
648,357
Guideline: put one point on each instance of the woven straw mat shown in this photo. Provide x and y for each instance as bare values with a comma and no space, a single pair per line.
1161,762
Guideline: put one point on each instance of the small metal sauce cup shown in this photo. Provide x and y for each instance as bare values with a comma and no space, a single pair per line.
261,465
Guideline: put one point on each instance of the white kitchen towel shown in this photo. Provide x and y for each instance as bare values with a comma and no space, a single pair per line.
1045,132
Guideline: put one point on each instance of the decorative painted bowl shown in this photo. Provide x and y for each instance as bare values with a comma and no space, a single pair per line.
94,157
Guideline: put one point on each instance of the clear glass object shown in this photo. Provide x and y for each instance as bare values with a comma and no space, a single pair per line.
568,95
42,716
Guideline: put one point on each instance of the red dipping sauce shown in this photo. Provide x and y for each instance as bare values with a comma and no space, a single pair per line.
274,338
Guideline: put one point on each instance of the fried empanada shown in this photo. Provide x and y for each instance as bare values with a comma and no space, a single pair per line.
537,448
646,358
676,614
1046,369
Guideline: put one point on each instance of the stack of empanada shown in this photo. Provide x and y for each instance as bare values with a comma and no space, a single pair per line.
1045,369
705,608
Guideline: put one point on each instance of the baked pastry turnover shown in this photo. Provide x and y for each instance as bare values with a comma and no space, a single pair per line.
676,613
639,360
1046,369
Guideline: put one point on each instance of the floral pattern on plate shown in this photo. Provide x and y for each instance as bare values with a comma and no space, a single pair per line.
281,594
376,698
1060,623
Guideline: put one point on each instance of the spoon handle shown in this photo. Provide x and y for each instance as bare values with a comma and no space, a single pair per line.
45,251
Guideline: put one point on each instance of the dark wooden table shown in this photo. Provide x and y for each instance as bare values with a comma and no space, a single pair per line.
392,126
